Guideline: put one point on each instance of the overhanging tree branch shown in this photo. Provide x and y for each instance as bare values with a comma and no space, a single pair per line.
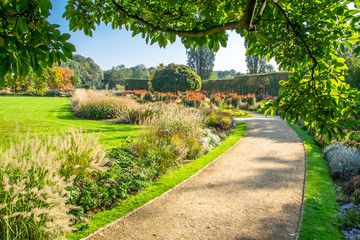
246,22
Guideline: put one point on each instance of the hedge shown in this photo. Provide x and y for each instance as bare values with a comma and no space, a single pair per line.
137,84
267,83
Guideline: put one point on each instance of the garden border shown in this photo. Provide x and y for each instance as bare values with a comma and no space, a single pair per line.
233,139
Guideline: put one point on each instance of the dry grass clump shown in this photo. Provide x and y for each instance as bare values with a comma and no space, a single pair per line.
174,134
34,177
95,105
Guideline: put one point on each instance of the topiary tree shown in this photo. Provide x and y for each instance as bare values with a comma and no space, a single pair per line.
174,78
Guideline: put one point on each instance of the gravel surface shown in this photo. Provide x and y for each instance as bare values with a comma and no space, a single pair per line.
253,191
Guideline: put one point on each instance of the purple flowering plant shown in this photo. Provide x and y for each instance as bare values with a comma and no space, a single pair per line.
349,220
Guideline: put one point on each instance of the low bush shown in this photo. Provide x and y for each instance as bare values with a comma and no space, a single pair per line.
343,161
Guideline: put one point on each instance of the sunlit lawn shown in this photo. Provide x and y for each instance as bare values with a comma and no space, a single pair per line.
47,115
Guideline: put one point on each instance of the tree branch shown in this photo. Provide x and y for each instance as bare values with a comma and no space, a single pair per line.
246,22
296,33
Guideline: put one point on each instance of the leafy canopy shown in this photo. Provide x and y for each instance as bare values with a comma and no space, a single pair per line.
27,40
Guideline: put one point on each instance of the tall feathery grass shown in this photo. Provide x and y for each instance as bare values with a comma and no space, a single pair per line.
35,174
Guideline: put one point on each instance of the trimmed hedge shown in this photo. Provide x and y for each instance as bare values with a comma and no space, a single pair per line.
267,83
137,84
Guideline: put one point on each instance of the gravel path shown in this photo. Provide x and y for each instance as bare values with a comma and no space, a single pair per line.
253,191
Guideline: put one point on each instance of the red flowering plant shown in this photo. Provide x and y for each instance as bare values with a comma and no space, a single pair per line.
192,99
233,99
250,99
217,98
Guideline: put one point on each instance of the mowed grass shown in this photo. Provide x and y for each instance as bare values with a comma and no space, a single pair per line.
47,115
319,199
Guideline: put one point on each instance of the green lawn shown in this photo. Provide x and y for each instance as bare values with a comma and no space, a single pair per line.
319,199
45,115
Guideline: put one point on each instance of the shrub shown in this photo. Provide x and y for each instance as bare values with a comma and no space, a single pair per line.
148,97
343,161
355,136
174,78
33,195
138,113
159,154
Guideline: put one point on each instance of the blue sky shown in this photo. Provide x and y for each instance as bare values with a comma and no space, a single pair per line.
110,47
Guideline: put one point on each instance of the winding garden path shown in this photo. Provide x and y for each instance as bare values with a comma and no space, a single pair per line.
252,191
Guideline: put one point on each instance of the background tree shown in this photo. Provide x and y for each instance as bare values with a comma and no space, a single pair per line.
84,69
116,76
140,71
174,78
257,65
201,61
227,73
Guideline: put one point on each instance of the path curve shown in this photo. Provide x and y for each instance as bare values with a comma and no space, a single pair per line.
252,191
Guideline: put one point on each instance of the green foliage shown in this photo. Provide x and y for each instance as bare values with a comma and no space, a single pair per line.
353,73
201,60
174,78
137,84
28,41
244,84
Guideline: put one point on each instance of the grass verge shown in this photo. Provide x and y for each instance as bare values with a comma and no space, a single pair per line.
319,199
155,189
